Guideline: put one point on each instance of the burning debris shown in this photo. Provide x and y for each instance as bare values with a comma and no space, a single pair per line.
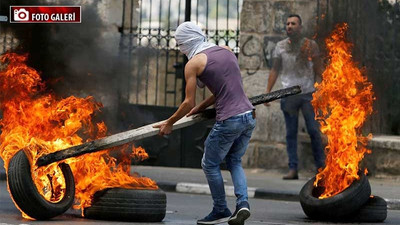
342,101
41,123
87,52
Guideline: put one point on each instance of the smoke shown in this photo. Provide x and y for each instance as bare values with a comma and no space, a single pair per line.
74,59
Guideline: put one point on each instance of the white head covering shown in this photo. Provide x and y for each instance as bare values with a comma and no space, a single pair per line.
191,40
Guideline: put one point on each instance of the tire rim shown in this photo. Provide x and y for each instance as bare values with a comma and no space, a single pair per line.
50,183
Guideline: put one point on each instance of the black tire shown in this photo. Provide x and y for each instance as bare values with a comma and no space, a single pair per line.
374,211
26,195
336,207
128,205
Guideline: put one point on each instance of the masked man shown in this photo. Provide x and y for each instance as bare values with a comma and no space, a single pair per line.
217,68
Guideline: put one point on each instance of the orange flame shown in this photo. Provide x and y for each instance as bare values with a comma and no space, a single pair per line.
41,123
342,101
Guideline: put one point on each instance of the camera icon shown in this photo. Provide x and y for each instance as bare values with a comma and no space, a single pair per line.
21,15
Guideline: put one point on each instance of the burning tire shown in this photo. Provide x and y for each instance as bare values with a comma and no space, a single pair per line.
26,195
375,210
128,205
336,207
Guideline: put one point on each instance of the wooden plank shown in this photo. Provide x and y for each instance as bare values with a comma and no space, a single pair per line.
148,130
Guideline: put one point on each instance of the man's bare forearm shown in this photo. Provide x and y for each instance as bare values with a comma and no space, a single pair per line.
206,102
271,79
183,109
318,69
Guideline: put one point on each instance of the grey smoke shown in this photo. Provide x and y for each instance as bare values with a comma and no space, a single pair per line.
74,59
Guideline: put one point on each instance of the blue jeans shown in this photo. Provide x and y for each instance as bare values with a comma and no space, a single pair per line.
291,107
227,140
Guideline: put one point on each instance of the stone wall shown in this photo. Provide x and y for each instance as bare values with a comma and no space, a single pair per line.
262,25
384,159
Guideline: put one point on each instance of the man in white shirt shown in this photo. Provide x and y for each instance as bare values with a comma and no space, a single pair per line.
297,60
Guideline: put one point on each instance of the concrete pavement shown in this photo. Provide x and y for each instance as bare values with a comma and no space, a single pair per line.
266,184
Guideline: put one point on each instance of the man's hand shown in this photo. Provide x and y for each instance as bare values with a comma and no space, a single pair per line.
165,128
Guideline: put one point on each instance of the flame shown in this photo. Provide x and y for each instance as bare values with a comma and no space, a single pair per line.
342,101
101,171
40,123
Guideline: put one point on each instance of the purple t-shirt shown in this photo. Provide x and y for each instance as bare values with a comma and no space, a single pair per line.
222,76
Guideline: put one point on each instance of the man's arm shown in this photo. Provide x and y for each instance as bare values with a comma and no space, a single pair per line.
318,68
318,65
187,104
203,105
190,96
273,74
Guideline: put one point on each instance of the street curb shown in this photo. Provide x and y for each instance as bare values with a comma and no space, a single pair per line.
276,195
260,193
393,204
167,186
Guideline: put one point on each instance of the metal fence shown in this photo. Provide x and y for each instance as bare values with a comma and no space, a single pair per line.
148,43
7,41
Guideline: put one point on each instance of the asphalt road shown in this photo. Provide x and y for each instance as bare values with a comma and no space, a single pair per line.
183,209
